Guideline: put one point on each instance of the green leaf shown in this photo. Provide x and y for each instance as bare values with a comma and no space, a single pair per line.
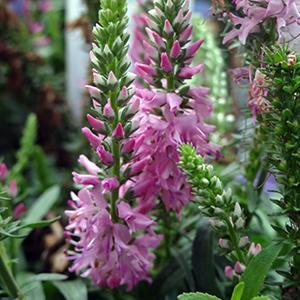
72,290
197,296
42,205
31,290
238,291
258,269
261,298
47,277
41,223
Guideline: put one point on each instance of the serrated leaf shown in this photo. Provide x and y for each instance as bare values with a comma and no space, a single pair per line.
258,269
197,296
72,290
238,291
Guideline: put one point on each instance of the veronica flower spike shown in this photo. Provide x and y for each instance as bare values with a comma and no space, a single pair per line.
111,242
171,111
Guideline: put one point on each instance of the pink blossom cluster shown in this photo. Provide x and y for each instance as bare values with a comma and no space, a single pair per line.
169,116
112,253
254,13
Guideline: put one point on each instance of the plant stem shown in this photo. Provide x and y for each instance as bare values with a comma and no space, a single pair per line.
7,277
234,241
116,172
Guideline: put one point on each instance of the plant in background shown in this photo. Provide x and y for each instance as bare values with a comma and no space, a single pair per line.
214,76
225,214
251,263
112,239
279,127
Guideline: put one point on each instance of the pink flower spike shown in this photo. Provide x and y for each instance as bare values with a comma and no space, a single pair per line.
239,268
186,34
110,184
19,210
119,133
91,167
3,171
189,72
92,138
229,272
140,165
165,63
104,155
193,48
168,27
13,188
176,49
145,69
93,91
95,123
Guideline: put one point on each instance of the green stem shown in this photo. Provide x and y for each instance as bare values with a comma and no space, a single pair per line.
116,173
235,242
7,278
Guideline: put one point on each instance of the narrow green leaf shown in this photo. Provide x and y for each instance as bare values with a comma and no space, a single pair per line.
238,291
258,269
197,296
72,290
47,277
41,206
40,224
261,298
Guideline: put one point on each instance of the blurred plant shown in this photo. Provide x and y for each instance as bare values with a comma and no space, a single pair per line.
32,80
214,76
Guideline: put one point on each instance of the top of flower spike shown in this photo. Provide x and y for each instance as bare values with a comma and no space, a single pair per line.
169,33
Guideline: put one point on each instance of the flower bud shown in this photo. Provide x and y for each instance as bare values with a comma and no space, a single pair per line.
95,123
3,171
175,50
237,210
254,249
239,268
91,137
168,27
107,110
229,272
92,168
240,223
118,132
104,155
110,184
189,72
243,241
13,188
223,243
112,80
93,91
165,63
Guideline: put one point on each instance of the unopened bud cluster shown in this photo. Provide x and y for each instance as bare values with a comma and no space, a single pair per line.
226,215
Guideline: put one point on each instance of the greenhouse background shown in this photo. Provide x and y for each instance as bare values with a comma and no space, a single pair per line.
150,150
